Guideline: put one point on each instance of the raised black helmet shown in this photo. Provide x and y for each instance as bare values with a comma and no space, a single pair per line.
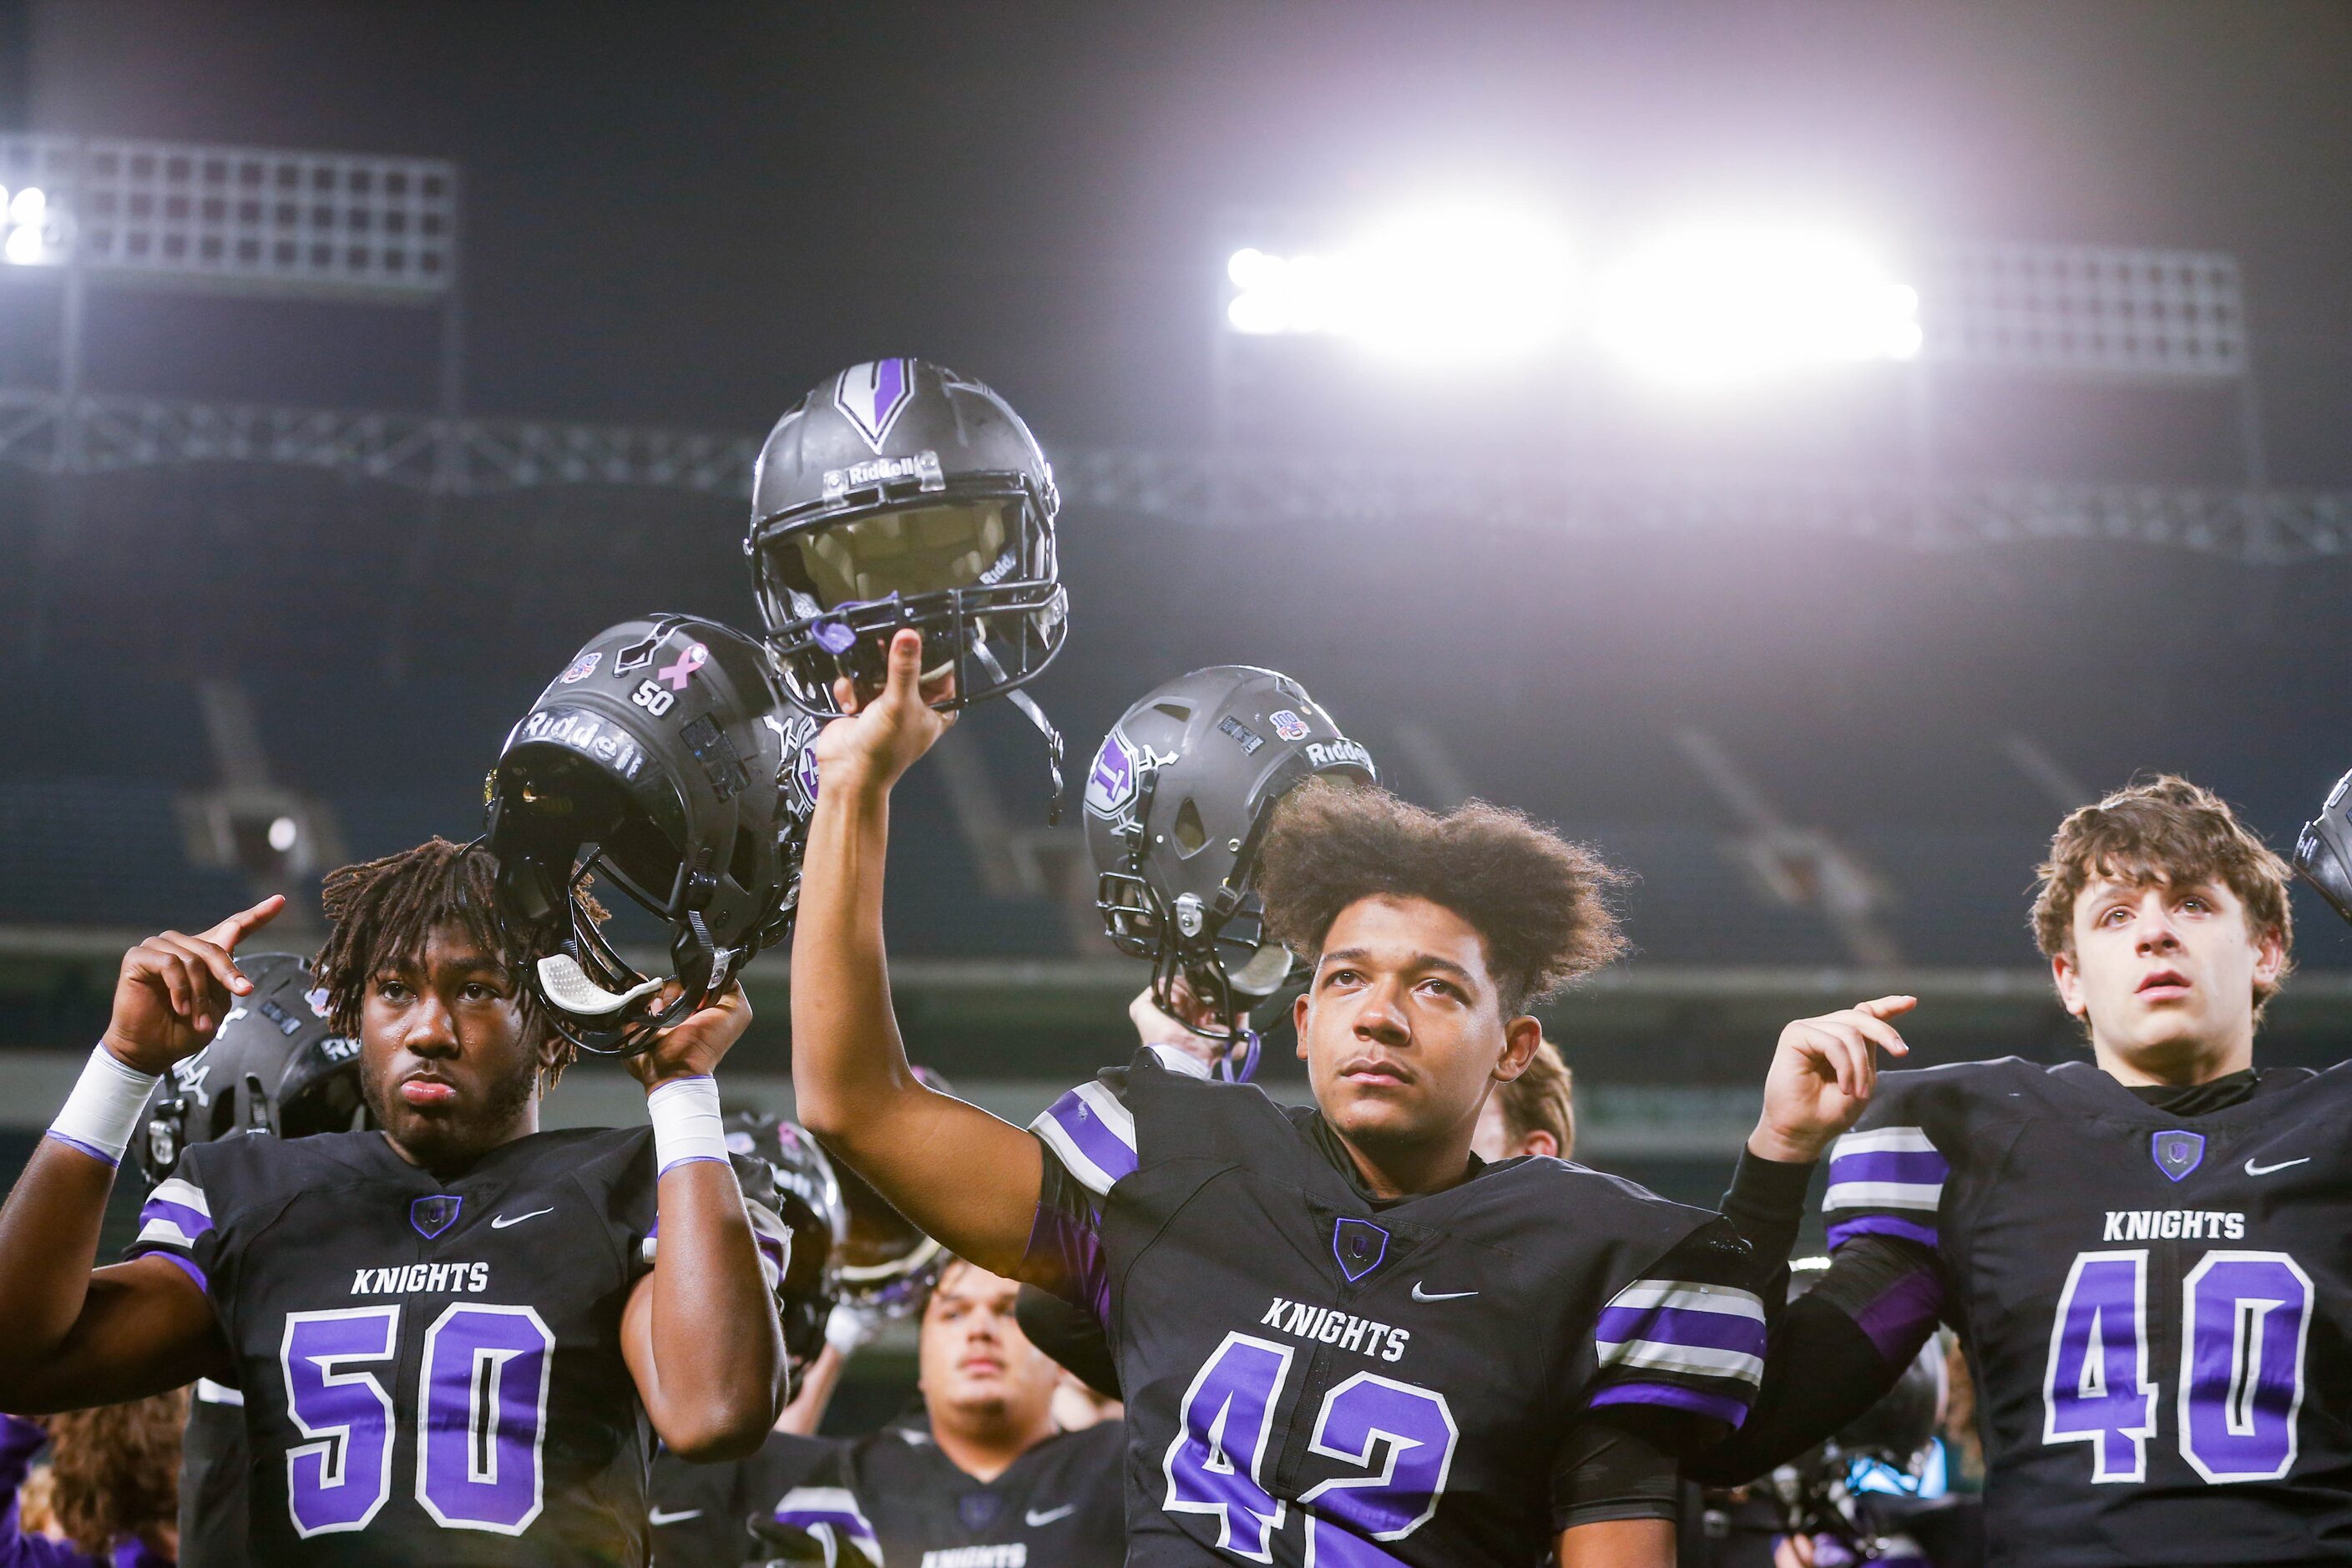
1176,802
898,494
276,1065
655,763
2323,852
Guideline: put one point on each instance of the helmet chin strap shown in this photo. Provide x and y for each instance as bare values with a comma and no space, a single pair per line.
1028,705
1245,1046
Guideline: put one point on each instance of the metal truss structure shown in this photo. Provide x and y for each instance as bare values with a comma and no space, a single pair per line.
57,434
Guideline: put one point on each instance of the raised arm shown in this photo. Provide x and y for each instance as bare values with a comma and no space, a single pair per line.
80,1336
966,1178
701,1333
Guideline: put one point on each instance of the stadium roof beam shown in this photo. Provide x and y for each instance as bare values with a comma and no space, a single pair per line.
50,433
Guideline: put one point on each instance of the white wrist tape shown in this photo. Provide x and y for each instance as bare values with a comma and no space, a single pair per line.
102,1111
685,1113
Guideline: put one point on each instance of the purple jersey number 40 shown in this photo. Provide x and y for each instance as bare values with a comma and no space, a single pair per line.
2245,1320
482,1395
1402,1434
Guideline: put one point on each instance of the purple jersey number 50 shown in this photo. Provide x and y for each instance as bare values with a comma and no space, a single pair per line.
1216,1464
482,1395
2245,1319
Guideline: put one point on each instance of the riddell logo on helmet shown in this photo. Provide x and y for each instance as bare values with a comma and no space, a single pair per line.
587,734
923,465
1334,754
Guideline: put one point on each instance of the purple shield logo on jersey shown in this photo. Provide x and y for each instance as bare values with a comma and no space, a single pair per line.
1359,1245
1111,783
434,1215
874,394
2177,1153
978,1510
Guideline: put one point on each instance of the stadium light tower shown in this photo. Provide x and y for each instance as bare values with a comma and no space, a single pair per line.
219,219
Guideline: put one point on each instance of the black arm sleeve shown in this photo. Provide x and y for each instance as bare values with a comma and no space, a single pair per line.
1766,1205
1070,1335
1611,1468
1834,1353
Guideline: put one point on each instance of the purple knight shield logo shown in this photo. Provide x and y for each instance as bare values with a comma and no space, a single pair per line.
1359,1245
1110,784
2177,1153
431,1216
874,394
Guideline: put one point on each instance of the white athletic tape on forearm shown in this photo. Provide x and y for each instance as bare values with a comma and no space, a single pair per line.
102,1111
685,1112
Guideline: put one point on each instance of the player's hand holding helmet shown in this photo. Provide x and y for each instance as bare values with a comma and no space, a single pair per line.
898,494
1176,802
275,1066
655,760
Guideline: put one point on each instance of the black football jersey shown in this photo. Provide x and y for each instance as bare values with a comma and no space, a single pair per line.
213,1466
1313,1376
2157,1307
432,1371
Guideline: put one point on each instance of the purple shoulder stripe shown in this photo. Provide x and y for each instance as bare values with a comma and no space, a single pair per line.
186,1264
1846,1230
1722,1407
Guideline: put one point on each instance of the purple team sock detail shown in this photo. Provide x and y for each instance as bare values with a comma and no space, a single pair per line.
1899,1322
94,1152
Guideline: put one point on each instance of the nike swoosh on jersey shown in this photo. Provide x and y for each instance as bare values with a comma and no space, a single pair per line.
670,1516
2255,1169
1050,1515
502,1222
1421,1295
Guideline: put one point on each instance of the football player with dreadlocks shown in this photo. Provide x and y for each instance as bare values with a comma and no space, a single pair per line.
419,1387
1342,1337
2143,1254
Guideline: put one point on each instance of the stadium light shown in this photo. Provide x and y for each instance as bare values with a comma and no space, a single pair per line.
1460,283
1712,305
26,220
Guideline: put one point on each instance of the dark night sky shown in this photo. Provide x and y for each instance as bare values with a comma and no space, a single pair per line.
685,213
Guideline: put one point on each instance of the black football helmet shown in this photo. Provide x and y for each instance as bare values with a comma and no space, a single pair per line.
898,494
2323,852
655,760
1176,803
276,1065
803,1191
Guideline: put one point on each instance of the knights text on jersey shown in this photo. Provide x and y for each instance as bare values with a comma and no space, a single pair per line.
432,1372
2158,1309
1312,1377
900,1502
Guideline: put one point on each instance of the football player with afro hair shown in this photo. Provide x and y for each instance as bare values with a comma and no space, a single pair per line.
1282,1285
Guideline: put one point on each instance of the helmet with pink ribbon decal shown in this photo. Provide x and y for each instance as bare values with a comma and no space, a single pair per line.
657,760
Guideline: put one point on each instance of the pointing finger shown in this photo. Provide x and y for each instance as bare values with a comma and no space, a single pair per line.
906,667
1887,1006
238,927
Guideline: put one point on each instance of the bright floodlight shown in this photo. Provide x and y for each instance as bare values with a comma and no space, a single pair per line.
283,832
1710,306
1460,283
